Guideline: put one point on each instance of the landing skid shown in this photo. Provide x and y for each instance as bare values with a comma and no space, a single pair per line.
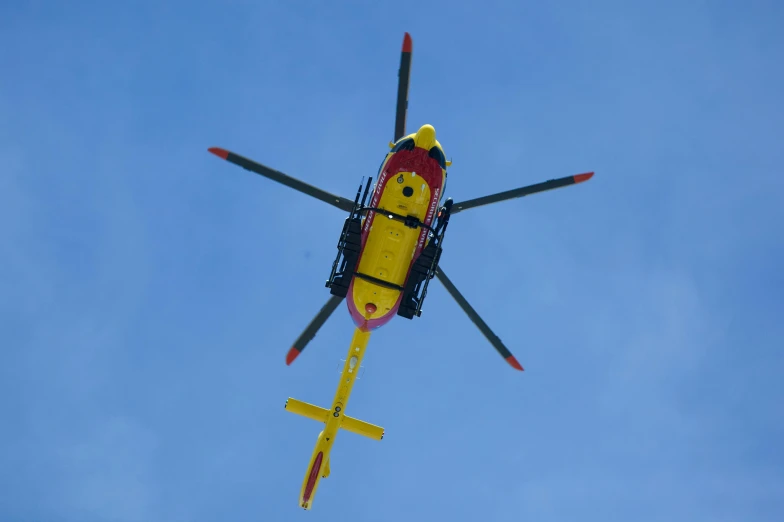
349,246
425,266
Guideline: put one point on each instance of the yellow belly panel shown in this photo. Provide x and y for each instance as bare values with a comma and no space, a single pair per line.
390,244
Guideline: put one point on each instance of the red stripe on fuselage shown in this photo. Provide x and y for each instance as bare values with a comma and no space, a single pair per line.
419,161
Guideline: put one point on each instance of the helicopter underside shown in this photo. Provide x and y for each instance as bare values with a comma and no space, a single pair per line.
386,249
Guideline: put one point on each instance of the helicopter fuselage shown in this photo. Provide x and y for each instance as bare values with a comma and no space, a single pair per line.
410,184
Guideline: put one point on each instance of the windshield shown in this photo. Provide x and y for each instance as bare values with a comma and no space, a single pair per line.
408,144
404,144
438,155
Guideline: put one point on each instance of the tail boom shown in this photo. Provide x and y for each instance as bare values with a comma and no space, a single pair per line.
334,419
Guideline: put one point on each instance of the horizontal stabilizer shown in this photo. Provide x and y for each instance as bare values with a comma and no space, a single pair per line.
351,424
363,428
310,411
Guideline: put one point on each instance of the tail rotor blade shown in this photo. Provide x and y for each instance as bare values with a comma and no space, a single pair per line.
523,191
404,75
310,332
477,320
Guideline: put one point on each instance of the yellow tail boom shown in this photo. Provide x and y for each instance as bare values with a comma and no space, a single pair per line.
334,419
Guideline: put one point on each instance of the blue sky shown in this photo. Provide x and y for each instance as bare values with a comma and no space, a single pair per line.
151,291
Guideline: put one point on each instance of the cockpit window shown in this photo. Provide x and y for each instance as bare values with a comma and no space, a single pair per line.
403,144
406,144
436,154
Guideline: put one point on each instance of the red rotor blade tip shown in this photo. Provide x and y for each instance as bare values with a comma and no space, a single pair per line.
407,44
513,362
291,356
579,178
219,152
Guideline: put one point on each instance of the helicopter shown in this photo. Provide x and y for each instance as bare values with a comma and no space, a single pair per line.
388,251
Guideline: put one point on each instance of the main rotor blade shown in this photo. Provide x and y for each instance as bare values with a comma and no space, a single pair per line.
469,310
310,332
404,75
523,191
338,201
